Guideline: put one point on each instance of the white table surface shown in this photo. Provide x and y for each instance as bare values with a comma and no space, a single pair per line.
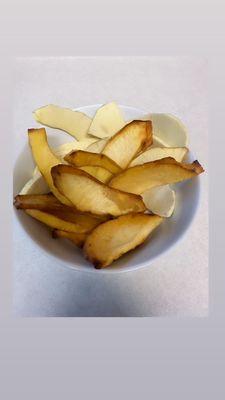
175,284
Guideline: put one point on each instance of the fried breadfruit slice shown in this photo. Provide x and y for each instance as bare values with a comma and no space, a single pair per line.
157,153
128,142
107,121
114,238
45,159
100,173
49,204
90,195
37,202
73,122
82,158
140,178
76,238
65,220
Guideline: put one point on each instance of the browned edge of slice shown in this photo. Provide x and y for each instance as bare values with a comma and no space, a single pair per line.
195,166
98,238
81,158
149,138
59,169
37,201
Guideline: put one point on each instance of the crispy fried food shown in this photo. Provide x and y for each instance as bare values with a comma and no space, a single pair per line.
90,195
73,122
66,220
76,238
140,178
49,204
157,153
97,147
107,121
128,142
37,202
160,200
100,173
81,158
45,159
114,238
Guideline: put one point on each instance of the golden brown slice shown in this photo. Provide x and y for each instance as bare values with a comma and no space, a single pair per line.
49,204
99,173
128,142
140,178
114,238
107,121
157,153
73,122
45,159
88,194
37,202
76,238
65,219
81,158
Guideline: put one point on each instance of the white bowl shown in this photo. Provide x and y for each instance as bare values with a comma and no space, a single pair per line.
66,254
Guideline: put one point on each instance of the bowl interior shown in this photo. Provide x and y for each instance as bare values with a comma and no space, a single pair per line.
65,253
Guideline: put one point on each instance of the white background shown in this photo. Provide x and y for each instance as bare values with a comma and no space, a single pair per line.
174,284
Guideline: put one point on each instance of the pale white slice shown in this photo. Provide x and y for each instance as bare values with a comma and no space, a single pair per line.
66,148
168,129
35,185
107,121
160,200
97,147
75,123
156,153
157,142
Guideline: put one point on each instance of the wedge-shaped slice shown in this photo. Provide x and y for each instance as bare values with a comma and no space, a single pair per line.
73,122
35,185
156,153
97,147
140,178
128,142
48,203
45,159
114,238
168,129
99,173
37,202
76,238
90,195
107,121
81,158
160,200
66,220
